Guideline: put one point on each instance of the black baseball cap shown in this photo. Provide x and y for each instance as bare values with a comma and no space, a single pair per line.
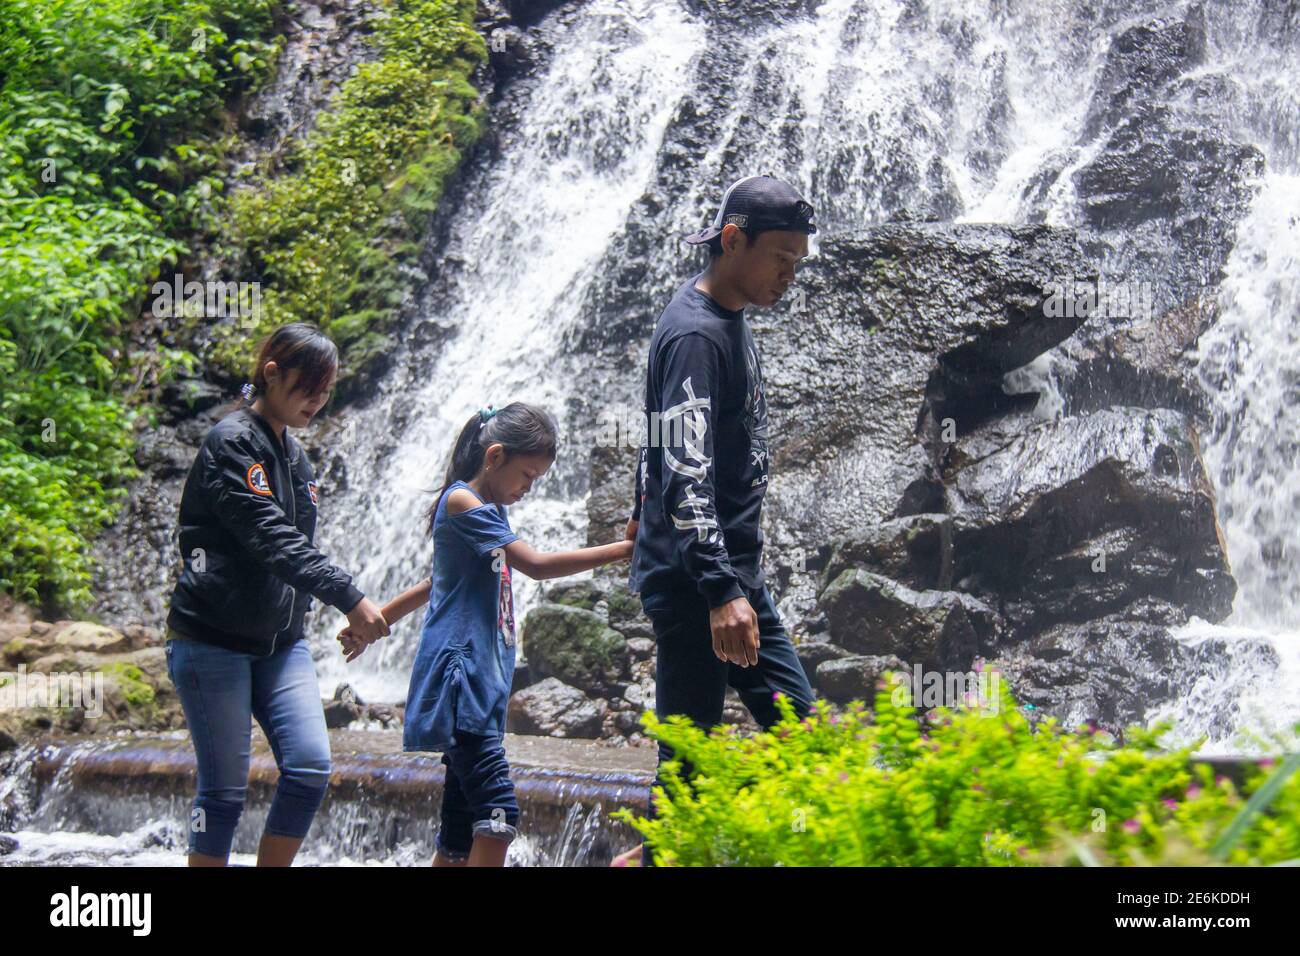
759,202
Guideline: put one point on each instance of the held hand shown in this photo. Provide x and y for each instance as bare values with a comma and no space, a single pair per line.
735,632
630,533
367,622
352,645
625,550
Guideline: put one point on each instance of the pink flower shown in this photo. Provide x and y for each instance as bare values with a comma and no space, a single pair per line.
1171,803
1132,826
1193,792
844,777
1266,763
976,786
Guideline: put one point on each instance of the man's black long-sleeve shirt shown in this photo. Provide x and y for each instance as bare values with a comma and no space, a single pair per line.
703,468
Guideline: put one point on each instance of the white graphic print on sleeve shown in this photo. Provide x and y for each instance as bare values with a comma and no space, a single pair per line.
756,416
693,413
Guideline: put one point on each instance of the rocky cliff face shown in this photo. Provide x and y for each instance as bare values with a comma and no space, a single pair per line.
971,529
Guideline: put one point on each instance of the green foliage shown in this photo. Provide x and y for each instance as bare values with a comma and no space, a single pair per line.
327,239
96,180
858,788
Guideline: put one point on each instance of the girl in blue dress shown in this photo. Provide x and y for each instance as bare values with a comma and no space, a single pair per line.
460,682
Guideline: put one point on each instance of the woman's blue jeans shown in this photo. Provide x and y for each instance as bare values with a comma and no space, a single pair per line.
220,691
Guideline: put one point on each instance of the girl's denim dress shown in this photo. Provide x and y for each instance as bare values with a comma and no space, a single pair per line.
466,659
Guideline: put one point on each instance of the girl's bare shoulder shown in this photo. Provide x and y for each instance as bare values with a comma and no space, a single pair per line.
460,500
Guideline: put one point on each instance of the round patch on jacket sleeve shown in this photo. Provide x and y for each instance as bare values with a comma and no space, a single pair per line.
258,483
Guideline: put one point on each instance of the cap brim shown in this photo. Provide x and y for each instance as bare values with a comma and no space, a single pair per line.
704,235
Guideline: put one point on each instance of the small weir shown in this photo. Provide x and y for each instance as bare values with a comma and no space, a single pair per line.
62,798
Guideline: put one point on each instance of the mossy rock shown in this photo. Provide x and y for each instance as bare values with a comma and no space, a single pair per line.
583,594
576,646
136,691
623,605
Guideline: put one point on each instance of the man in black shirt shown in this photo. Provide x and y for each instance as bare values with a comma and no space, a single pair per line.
703,472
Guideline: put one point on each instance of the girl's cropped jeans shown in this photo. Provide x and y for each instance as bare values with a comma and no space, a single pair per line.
220,691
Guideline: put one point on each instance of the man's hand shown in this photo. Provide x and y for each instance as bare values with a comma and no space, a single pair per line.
630,533
735,632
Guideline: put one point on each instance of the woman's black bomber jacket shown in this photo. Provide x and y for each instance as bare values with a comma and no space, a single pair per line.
248,517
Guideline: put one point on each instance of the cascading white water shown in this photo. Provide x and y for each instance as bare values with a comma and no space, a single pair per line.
872,106
531,235
1248,364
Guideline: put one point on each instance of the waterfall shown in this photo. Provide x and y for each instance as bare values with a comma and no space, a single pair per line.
530,236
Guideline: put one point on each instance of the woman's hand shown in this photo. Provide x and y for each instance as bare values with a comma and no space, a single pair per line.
367,622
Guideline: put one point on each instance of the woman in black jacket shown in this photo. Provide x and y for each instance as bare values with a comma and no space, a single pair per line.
235,647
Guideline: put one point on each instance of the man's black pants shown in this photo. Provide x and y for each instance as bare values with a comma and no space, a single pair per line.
691,680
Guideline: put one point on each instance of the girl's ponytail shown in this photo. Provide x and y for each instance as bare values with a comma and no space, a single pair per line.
520,428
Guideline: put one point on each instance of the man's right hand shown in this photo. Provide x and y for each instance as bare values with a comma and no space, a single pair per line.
367,622
735,632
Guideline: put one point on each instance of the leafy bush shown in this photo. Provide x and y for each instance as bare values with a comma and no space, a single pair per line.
861,789
327,239
96,180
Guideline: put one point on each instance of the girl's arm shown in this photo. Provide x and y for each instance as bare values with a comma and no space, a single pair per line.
396,609
409,600
558,564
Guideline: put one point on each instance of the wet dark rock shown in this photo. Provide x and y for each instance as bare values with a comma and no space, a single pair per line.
916,551
344,708
510,51
1034,511
811,654
854,677
613,484
1112,671
1146,172
162,454
554,709
874,615
527,12
898,330
641,648
1145,363
751,14
186,397
1140,62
